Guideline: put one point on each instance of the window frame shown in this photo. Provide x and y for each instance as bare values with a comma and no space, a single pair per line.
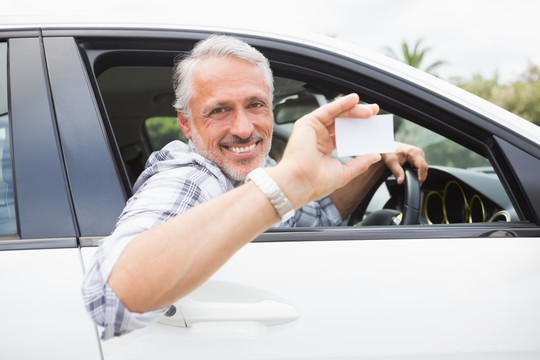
35,150
397,95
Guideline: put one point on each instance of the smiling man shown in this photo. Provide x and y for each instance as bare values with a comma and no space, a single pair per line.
230,120
192,208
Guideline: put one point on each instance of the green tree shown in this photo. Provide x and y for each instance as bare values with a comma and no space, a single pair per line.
519,97
163,129
415,57
522,96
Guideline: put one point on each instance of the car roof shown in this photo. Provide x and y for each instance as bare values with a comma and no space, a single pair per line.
49,24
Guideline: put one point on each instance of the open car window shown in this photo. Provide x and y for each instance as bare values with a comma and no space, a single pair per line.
462,186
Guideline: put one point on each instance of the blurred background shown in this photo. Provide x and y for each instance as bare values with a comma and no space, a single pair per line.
489,47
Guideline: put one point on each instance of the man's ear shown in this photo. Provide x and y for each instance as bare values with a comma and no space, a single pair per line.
184,124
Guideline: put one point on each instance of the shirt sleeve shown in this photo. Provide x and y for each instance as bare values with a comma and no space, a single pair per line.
317,213
160,198
104,307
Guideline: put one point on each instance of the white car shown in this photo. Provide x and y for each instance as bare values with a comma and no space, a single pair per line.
450,270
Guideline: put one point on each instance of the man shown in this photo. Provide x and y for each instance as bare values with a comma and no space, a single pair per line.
192,209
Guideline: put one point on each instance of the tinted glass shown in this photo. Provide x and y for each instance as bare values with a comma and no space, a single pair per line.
8,223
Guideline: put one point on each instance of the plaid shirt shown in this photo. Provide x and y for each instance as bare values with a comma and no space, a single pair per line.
176,178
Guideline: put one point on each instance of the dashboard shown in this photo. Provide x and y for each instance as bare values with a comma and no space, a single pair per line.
452,195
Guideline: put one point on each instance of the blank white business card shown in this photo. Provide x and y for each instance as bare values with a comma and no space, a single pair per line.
365,136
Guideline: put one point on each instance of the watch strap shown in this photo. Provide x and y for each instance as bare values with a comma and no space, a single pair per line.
272,191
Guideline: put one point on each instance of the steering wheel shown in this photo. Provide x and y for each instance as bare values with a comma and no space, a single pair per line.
411,203
407,195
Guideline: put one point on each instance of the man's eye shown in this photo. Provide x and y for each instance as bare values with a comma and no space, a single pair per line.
217,111
257,105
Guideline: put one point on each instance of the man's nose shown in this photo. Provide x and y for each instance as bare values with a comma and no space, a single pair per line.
242,125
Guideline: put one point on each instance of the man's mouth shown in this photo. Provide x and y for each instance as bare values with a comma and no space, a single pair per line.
240,149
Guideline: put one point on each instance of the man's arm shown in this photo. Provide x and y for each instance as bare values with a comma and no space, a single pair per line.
165,263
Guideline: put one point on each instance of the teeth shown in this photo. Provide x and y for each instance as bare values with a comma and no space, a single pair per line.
240,150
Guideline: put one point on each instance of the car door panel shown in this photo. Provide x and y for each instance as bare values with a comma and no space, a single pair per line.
43,315
431,297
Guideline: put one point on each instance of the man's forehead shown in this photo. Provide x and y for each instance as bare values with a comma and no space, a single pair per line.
232,100
229,75
216,64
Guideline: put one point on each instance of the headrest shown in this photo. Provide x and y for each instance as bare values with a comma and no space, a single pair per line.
293,109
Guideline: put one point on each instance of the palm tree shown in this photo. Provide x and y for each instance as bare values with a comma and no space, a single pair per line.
415,57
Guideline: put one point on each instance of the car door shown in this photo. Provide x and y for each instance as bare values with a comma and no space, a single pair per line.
434,291
43,315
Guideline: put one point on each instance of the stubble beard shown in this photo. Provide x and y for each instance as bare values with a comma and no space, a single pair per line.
233,172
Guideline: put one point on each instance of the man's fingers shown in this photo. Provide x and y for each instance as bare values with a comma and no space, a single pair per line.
417,159
422,171
362,111
326,113
346,106
396,169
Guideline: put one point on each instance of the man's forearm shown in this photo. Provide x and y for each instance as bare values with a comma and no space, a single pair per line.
347,198
163,264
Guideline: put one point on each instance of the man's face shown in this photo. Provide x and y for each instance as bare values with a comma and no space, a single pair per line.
231,115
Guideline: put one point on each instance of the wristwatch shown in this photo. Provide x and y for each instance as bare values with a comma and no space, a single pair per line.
268,186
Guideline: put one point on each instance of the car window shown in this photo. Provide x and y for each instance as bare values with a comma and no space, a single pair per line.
8,223
438,149
462,186
161,130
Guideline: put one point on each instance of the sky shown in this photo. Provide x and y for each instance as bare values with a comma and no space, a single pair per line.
472,36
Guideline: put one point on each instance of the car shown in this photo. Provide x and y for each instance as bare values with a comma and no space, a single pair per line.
446,270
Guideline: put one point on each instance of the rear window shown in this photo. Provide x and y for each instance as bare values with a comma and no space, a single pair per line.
8,224
161,130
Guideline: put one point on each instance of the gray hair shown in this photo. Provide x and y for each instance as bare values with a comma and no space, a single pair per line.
214,46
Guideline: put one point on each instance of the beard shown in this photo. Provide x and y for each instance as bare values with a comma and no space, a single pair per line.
236,170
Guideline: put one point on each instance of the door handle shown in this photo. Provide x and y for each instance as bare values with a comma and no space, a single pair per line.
217,301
